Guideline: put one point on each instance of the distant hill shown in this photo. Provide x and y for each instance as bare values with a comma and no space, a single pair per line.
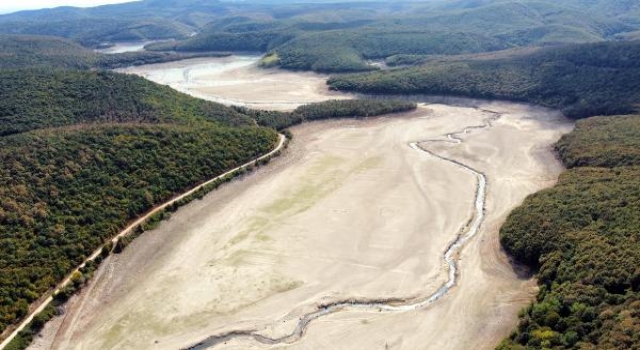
133,21
337,37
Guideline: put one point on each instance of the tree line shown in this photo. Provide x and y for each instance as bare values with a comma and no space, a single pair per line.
355,108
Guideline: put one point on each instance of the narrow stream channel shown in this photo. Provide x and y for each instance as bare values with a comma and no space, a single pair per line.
388,305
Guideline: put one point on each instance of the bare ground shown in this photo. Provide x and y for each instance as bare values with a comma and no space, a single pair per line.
237,80
350,211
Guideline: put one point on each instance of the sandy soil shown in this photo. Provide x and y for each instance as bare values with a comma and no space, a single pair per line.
237,80
350,211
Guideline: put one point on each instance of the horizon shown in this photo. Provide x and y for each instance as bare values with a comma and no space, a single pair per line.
26,5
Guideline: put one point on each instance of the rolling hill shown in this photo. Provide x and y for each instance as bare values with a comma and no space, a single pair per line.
581,80
335,37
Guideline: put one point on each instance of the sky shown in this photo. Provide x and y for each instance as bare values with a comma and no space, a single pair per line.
7,6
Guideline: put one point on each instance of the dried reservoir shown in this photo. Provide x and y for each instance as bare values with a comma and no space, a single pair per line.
350,211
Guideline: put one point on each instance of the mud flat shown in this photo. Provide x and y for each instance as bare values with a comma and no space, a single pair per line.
352,211
236,80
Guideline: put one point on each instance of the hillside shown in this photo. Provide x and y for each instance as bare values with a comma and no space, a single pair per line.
85,153
581,80
32,51
337,50
36,99
583,236
311,38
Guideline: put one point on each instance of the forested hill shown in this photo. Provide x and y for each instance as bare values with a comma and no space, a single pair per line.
86,152
581,80
343,38
583,236
38,98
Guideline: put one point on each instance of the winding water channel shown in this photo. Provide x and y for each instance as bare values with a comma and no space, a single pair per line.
386,304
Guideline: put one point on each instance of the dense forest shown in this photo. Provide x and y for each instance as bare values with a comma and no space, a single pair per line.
37,98
83,153
66,191
583,237
581,80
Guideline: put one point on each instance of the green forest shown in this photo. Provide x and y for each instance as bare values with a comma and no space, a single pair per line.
581,80
583,238
329,36
38,98
346,37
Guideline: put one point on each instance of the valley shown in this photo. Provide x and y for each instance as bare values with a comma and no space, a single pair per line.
352,211
291,174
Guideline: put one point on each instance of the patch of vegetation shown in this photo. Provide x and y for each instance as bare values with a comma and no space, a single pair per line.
270,60
602,142
583,237
581,80
405,60
24,338
357,108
